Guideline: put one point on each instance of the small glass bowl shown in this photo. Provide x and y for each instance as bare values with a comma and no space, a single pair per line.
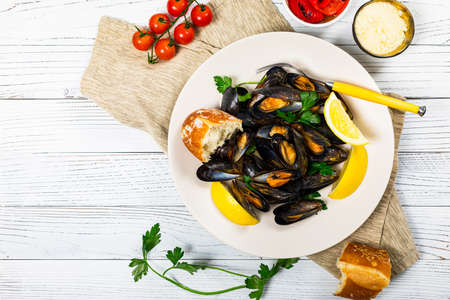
408,35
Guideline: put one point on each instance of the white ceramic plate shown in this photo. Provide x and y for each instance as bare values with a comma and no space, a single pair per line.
319,59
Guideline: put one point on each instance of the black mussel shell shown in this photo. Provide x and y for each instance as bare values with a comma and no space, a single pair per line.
268,155
317,181
277,178
273,195
295,211
279,92
300,82
315,142
242,200
243,141
285,150
332,155
274,76
230,102
252,165
302,157
217,171
253,197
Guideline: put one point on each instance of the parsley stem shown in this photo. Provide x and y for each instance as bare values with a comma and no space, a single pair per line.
250,82
209,267
192,290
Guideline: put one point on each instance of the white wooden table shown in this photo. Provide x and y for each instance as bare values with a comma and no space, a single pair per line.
77,189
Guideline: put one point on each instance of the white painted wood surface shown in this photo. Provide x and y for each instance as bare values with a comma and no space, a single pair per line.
77,188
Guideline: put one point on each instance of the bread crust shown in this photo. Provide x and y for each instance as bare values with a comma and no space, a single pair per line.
196,126
365,271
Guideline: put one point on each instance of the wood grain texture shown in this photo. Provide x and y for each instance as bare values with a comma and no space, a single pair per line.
73,125
114,232
81,279
95,179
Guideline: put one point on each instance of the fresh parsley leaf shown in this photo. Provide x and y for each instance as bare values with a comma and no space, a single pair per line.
312,196
253,282
222,83
244,98
140,268
247,179
264,271
308,100
150,240
324,204
321,167
288,263
188,267
309,118
289,117
251,149
175,255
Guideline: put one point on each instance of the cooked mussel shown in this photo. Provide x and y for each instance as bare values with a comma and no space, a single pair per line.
314,140
230,102
285,150
242,200
274,76
217,171
295,211
268,131
279,92
316,181
268,155
277,178
300,82
243,141
245,194
252,165
273,195
332,155
302,156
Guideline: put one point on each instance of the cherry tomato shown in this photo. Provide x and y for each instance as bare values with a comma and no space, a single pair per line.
201,15
142,40
184,33
159,23
331,9
165,49
305,11
176,7
323,3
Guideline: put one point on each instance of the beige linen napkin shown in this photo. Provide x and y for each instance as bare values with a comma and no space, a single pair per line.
119,80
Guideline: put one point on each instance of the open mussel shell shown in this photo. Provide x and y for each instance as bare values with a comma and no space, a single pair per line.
302,157
277,178
300,82
332,155
252,165
274,76
295,211
279,92
217,171
273,195
268,155
268,131
242,200
285,150
243,141
246,195
315,142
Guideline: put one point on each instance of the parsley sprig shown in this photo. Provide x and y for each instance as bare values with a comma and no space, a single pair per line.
225,82
152,238
316,197
321,167
305,115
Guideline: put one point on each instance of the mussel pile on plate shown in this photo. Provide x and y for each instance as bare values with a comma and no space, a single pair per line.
270,162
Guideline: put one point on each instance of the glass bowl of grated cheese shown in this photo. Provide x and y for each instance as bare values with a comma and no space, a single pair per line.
383,28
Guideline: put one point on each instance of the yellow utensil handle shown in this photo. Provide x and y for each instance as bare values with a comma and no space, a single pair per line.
372,96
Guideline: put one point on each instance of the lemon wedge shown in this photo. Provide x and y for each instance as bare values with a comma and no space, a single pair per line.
229,206
341,124
352,175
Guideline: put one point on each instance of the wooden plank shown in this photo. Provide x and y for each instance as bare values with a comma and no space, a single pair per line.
144,179
114,232
72,125
111,280
35,71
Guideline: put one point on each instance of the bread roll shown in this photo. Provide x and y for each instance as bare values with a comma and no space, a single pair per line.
205,130
365,271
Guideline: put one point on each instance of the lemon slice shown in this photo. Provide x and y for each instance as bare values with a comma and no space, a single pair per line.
352,175
341,124
229,206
